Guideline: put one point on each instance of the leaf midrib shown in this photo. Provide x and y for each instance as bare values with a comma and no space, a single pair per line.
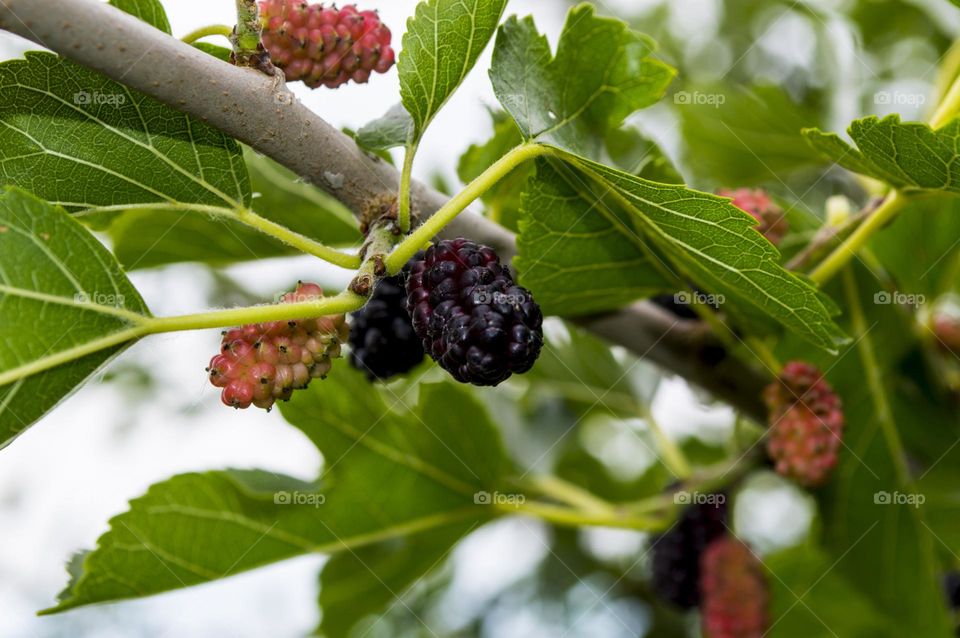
148,147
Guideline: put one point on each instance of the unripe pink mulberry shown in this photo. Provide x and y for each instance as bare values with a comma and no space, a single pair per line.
735,591
261,363
806,425
325,46
772,222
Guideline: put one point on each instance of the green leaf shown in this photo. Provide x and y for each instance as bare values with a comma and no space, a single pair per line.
906,155
195,528
390,131
60,290
503,199
920,247
150,11
868,540
149,238
630,151
577,255
708,240
441,45
390,474
746,136
585,372
77,139
812,600
602,73
221,53
365,582
282,197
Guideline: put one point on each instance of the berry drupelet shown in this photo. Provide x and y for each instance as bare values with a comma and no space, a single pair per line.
806,425
261,363
473,319
323,45
382,341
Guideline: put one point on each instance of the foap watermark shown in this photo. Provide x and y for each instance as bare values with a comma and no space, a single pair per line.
96,98
896,298
899,498
699,498
696,98
485,297
499,499
99,299
899,98
299,498
696,298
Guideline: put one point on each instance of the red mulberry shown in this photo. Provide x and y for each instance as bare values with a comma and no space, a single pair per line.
772,222
806,425
265,362
325,46
946,328
473,319
735,591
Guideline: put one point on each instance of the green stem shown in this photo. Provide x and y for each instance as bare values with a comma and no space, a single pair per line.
859,238
766,356
249,218
431,227
343,303
72,354
874,380
406,178
143,326
204,32
574,495
247,50
949,106
74,302
298,241
706,481
670,453
579,518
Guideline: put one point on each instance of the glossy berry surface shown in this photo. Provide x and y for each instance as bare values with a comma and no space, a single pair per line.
382,341
471,316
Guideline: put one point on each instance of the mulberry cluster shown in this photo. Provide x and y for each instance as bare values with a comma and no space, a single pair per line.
325,46
382,341
736,596
806,425
473,319
676,554
261,363
772,223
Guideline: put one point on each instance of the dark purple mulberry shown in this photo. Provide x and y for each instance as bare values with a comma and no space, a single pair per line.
676,553
383,343
473,319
